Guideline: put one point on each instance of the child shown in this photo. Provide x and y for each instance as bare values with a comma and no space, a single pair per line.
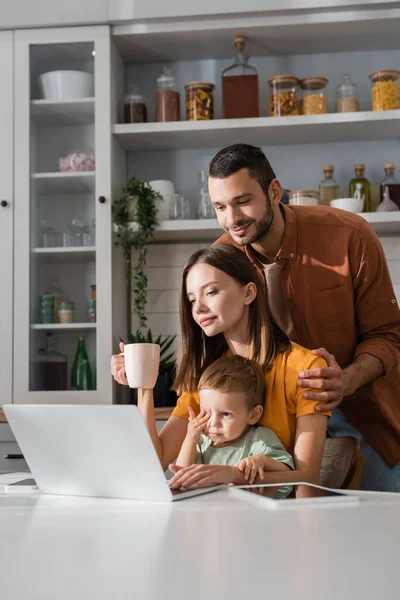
232,392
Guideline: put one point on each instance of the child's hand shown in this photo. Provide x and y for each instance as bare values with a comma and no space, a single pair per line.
196,424
251,467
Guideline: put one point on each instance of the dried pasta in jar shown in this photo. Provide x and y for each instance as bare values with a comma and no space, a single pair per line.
285,97
199,101
385,90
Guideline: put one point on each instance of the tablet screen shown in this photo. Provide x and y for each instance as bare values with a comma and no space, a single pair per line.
297,492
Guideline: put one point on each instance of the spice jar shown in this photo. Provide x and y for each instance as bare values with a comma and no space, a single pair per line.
199,101
135,110
347,100
385,90
304,198
314,101
168,99
285,96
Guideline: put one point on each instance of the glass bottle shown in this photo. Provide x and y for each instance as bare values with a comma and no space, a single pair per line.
347,99
392,182
135,110
360,187
240,86
387,205
81,374
329,188
167,99
205,209
49,369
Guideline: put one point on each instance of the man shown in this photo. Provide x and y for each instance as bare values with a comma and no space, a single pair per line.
329,288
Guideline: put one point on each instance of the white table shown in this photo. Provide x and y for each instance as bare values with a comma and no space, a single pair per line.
211,547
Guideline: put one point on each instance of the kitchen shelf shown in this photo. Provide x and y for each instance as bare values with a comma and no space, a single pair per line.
314,30
71,112
52,183
65,254
209,229
63,326
261,131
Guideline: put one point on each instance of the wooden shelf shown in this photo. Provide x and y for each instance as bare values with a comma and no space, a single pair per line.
53,183
63,326
71,112
65,254
262,131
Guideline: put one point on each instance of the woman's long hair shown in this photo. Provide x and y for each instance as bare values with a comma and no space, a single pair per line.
196,350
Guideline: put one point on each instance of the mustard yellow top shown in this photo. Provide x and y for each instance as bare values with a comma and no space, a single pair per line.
283,402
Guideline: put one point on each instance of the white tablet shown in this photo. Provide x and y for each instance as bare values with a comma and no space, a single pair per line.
288,495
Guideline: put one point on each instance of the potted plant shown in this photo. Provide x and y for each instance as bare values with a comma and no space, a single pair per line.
137,203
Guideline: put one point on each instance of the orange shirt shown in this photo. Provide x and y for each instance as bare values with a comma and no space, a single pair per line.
283,401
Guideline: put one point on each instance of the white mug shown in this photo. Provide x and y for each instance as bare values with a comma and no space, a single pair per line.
141,364
166,189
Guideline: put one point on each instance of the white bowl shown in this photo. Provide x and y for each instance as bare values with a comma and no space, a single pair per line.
354,205
66,85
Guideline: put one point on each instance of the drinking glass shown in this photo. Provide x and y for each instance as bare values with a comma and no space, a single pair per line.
180,208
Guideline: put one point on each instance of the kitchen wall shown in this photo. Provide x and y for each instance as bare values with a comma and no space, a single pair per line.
164,268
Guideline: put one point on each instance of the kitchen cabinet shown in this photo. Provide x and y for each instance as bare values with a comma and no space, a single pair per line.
62,242
44,13
6,214
120,10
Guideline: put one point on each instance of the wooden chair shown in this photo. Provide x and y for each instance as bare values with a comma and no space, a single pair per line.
342,463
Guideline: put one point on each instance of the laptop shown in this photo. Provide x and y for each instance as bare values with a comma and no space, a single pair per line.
101,451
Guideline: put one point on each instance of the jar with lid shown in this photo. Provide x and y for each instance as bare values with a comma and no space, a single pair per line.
392,183
199,101
240,86
49,369
313,100
285,96
135,110
385,90
347,98
168,98
329,188
304,198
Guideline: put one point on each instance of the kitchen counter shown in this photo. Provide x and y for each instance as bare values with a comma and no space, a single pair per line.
212,546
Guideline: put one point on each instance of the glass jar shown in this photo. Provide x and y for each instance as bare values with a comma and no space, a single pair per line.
314,101
240,86
392,183
205,208
385,90
74,159
49,370
199,101
285,96
135,110
304,198
168,99
329,188
347,98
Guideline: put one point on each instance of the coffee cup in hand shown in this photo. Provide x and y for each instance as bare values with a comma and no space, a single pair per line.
141,364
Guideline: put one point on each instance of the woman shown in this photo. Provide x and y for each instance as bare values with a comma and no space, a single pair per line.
223,310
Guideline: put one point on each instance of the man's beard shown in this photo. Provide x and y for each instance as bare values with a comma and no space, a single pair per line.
263,226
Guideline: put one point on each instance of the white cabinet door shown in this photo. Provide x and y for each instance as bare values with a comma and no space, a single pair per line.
63,242
41,13
6,215
153,9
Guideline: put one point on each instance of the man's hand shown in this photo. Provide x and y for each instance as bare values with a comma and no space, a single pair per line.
196,424
251,467
199,476
331,383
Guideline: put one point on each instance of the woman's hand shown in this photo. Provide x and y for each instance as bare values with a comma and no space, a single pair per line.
251,467
118,367
199,476
196,424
